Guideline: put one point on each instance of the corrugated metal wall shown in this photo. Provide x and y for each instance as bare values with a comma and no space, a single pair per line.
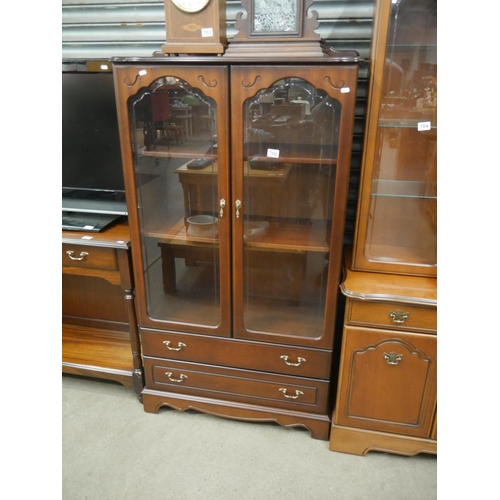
102,29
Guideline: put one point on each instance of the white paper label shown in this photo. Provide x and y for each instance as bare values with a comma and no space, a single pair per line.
207,32
273,153
87,237
345,90
104,67
143,72
423,126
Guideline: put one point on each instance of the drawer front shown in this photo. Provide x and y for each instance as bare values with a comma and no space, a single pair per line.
229,384
391,315
235,353
89,257
388,381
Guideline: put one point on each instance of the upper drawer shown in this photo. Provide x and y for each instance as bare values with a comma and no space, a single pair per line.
235,353
89,257
391,315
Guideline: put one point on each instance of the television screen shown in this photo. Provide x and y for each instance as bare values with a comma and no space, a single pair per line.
92,175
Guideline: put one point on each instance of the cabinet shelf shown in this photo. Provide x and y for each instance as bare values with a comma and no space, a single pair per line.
286,237
403,189
191,153
407,124
292,152
406,46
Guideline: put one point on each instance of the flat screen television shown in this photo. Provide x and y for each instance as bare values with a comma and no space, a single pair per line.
93,188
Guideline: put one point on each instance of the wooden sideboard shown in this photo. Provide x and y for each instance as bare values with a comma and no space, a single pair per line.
99,327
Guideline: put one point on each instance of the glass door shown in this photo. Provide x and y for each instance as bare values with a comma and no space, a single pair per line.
179,174
284,188
397,216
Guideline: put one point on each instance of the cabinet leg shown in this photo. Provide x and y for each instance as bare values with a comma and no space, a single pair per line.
135,343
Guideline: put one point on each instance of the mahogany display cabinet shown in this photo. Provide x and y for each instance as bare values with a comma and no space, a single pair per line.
236,174
387,389
396,230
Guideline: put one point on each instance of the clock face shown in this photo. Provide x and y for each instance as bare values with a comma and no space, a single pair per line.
191,6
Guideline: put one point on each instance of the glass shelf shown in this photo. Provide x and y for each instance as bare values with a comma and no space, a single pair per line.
404,189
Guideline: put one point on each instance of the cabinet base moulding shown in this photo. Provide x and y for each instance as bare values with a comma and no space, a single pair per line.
317,425
361,441
123,377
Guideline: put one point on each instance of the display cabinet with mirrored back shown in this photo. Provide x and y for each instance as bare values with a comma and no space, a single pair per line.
237,177
397,215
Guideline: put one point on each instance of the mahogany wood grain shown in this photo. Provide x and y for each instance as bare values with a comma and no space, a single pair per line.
237,353
376,392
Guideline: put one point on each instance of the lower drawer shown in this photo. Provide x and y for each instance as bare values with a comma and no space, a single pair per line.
288,360
244,386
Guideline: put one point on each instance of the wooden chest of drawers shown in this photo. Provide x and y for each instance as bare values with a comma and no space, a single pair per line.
244,377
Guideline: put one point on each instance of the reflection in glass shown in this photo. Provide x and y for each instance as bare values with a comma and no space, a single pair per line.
175,151
403,208
290,152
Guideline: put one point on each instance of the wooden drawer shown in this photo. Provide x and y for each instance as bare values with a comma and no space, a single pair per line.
391,315
89,257
235,353
237,385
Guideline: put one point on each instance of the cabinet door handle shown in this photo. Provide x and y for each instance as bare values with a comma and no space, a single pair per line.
238,207
392,358
399,316
222,205
297,394
71,255
178,380
179,344
299,361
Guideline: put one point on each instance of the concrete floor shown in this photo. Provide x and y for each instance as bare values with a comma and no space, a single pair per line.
112,449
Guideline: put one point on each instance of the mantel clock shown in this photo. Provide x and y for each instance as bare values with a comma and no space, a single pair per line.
195,27
271,27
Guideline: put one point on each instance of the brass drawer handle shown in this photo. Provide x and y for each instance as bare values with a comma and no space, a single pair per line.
172,379
399,316
392,358
238,207
222,204
297,394
71,255
180,345
299,361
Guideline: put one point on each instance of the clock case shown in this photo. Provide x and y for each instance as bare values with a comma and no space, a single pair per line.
300,42
184,29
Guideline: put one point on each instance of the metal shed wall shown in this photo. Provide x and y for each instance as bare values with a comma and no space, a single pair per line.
102,29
